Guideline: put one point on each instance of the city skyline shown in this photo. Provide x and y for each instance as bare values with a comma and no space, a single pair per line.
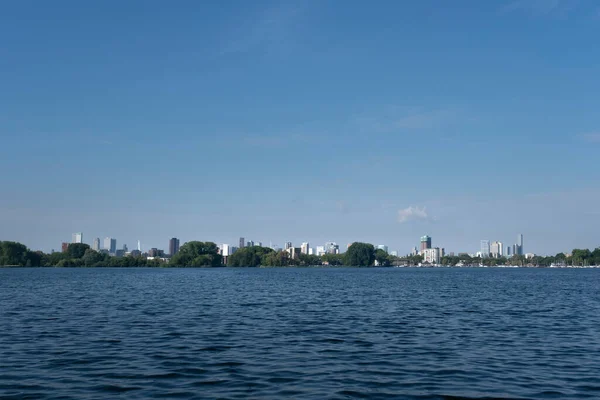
283,121
487,248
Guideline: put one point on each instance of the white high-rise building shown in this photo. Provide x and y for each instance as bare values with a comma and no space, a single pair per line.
320,250
497,249
77,238
311,251
431,256
96,245
304,248
226,250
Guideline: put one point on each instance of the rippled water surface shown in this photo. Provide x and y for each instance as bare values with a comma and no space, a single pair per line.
299,333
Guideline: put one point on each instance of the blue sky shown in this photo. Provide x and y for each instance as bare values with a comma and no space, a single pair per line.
301,121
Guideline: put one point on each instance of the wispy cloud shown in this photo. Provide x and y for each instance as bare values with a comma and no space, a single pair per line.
268,30
280,140
591,137
534,6
413,213
396,118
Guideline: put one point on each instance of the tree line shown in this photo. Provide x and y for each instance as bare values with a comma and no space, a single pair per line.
206,254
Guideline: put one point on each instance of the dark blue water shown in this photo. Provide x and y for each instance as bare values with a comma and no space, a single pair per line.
299,333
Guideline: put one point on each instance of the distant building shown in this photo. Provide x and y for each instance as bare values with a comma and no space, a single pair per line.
529,256
249,243
294,252
242,243
173,246
64,247
332,248
451,254
320,250
77,238
519,245
135,253
432,256
259,244
304,248
414,251
125,249
425,242
382,247
110,245
120,253
508,251
485,248
154,252
96,244
288,245
227,250
311,251
394,253
497,249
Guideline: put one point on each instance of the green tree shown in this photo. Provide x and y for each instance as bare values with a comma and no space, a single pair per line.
77,250
91,257
382,258
360,254
197,254
248,256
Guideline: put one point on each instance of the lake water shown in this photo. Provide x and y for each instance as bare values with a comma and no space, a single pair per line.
299,333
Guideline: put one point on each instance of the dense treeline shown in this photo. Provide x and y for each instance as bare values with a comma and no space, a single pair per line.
206,254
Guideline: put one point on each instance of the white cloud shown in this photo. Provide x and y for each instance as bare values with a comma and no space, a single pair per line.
591,137
412,213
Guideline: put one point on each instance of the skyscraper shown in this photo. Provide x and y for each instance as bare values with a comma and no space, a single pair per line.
485,248
497,249
241,243
173,246
77,238
96,245
520,250
110,245
304,248
425,242
288,245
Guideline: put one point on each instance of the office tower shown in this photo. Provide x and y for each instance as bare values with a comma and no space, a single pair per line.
250,243
320,250
382,247
77,238
425,242
332,248
304,248
125,249
110,245
241,243
259,244
508,251
173,246
96,245
139,246
485,248
432,256
311,251
497,249
288,245
520,244
64,247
